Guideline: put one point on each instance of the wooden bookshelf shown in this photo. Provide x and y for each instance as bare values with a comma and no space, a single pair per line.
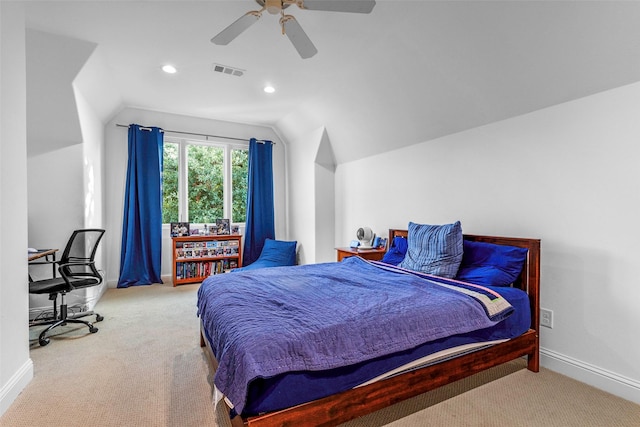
197,257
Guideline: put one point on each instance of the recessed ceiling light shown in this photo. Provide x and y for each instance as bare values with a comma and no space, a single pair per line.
269,89
169,69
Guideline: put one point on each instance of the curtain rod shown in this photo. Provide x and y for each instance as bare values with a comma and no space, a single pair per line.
262,141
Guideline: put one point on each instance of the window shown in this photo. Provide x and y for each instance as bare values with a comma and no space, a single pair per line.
203,182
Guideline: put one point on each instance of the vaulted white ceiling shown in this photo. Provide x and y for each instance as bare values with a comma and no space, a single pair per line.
408,72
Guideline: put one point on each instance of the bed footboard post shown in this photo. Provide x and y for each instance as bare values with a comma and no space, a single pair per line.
533,362
533,359
533,289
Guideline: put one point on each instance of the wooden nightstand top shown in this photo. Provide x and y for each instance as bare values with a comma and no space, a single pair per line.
370,254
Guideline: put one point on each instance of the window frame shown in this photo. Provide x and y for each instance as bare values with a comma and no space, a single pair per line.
227,188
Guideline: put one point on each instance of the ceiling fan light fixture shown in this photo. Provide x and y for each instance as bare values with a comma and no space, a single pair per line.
274,7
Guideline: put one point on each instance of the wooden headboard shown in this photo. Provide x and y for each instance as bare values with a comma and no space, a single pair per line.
529,280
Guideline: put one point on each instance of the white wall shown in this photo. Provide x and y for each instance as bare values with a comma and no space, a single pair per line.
56,208
65,155
324,176
312,194
568,175
324,191
16,368
92,191
116,155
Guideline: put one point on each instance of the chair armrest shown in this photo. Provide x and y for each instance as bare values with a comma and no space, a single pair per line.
71,276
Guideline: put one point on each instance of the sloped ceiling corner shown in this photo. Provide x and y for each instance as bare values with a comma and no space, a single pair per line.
452,66
97,86
408,72
325,156
53,62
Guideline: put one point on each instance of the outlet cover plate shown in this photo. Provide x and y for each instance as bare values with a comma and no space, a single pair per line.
546,318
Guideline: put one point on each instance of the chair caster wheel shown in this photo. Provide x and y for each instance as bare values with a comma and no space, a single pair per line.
43,341
93,329
99,318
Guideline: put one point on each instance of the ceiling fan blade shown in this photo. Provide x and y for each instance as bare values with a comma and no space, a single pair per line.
298,37
353,6
235,29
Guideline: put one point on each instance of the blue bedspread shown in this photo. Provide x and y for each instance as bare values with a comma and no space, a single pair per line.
262,323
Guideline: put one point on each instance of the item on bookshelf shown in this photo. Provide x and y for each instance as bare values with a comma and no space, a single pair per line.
194,232
179,229
365,236
383,242
379,242
235,229
222,226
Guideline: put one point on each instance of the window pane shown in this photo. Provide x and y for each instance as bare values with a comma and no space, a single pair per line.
205,183
170,183
239,171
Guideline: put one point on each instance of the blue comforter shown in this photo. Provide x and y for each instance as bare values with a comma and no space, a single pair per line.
265,322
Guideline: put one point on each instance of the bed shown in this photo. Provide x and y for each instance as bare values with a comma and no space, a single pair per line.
439,365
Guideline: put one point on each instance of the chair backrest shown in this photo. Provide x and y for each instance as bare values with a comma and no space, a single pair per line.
82,247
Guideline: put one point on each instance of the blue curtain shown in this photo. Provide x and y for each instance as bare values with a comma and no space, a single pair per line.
260,217
140,255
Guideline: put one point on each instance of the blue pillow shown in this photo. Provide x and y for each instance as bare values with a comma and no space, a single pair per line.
434,249
491,264
275,253
396,252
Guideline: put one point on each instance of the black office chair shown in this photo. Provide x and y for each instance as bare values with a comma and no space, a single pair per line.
77,270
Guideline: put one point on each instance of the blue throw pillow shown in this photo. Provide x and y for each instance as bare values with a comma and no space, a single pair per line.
434,249
491,264
275,253
396,252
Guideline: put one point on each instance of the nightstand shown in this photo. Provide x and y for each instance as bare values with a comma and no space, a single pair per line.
370,254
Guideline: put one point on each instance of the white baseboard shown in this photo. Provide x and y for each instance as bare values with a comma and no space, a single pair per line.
624,387
18,381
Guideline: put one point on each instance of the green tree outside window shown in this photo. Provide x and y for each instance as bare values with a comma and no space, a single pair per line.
205,183
239,173
170,207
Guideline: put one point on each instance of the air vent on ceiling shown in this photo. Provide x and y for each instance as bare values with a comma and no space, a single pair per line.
228,70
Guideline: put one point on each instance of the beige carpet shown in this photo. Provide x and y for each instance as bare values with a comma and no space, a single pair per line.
145,368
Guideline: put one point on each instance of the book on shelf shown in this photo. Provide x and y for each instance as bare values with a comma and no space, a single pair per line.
202,269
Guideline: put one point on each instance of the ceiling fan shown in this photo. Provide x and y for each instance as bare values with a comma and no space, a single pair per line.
289,25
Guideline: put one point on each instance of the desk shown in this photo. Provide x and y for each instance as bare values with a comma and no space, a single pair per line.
42,253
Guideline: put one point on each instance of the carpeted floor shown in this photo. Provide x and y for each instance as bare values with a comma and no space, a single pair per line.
145,368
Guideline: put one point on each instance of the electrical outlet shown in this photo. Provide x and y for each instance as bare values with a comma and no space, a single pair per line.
546,318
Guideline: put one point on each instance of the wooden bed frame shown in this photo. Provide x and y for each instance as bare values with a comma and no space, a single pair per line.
344,406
